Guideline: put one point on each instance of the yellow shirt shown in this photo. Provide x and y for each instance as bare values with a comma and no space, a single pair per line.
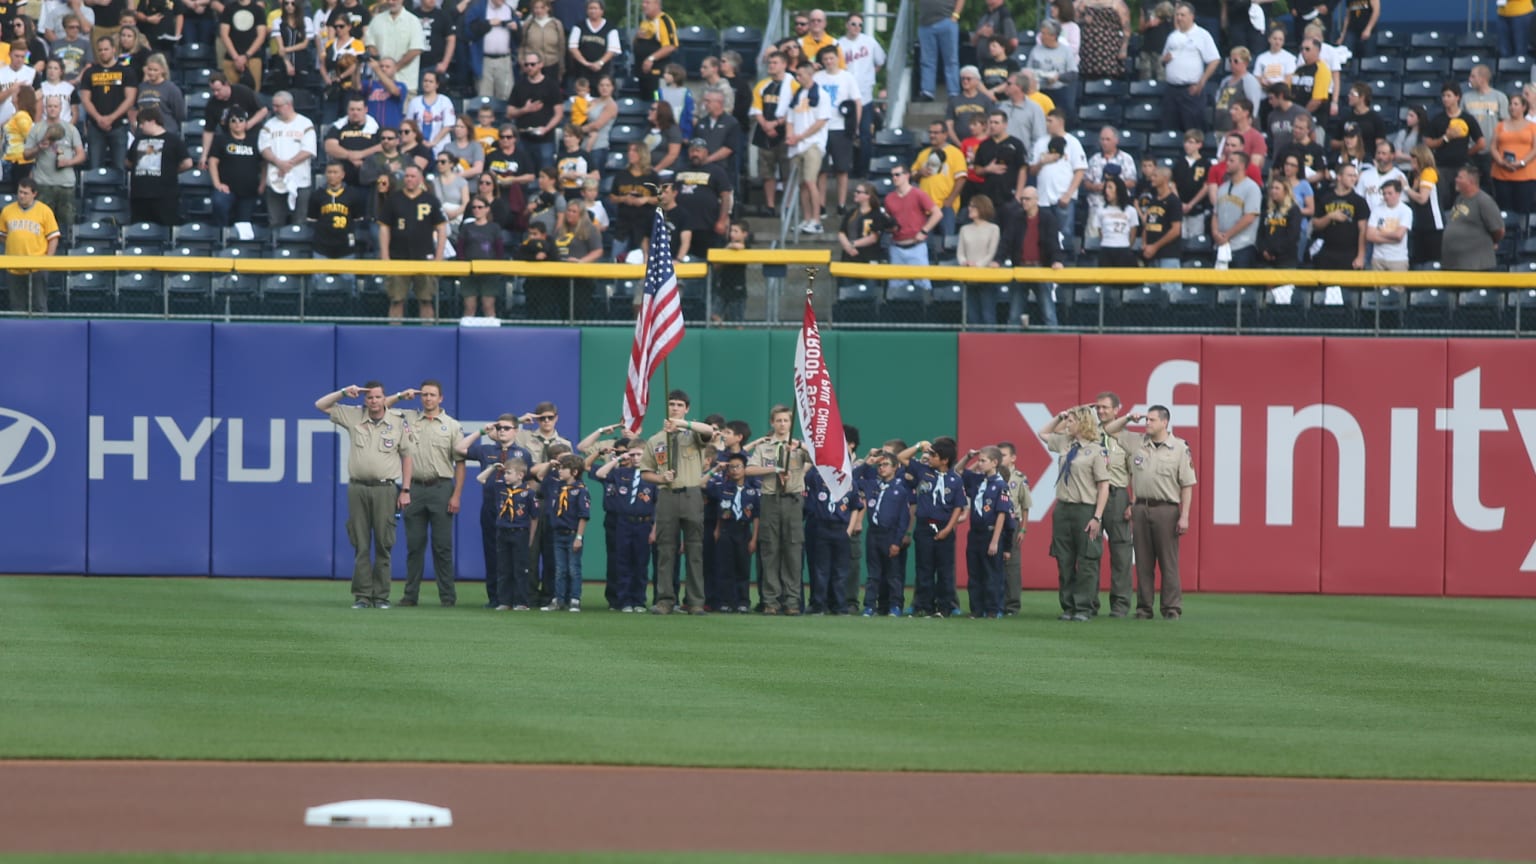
579,107
28,231
1516,8
809,46
1046,103
941,183
488,136
16,130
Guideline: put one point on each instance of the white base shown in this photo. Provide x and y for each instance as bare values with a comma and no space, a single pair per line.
378,813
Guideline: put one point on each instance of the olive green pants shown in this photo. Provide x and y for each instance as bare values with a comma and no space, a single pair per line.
1077,557
371,528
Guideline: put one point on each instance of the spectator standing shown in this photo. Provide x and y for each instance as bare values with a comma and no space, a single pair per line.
817,38
242,39
411,228
226,98
385,94
288,144
158,90
1455,136
1237,203
1059,168
1424,199
938,39
1339,229
1409,137
1364,119
970,101
1473,226
440,35
914,216
1026,121
432,111
1280,116
1189,59
1109,163
771,99
1117,224
655,41
395,34
839,88
593,44
156,161
480,240
1033,239
722,135
73,50
235,167
55,147
1162,218
536,108
978,247
1312,82
1514,22
354,138
16,129
1388,229
28,227
1377,173
494,28
996,23
335,210
862,56
1514,160
1240,83
108,90
1280,231
1000,158
864,227
809,116
545,36
941,174
1276,65
1056,67
1106,34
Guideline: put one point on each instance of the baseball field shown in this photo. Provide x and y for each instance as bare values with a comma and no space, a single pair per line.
200,717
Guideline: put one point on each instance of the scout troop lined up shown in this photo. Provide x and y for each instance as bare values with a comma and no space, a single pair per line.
709,490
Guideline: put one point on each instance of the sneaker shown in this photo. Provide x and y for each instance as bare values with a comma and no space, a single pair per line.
938,614
503,608
521,607
174,37
954,611
362,604
894,613
574,607
1080,618
809,227
382,604
551,606
743,609
917,613
868,613
697,610
924,97
661,609
409,602
1067,616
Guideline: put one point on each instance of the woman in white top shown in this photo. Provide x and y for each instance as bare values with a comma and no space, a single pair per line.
1408,137
55,85
1277,65
978,248
1118,223
432,111
1064,13
601,111
451,190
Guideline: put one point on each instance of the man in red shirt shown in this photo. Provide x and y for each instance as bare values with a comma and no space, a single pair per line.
914,215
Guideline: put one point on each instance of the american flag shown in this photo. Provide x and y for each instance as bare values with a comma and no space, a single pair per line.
658,329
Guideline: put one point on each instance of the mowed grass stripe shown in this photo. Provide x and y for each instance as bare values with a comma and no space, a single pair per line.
1271,685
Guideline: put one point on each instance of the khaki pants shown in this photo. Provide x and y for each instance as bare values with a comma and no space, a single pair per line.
496,78
1156,528
781,536
429,509
679,510
1013,574
371,527
1077,557
61,200
1118,530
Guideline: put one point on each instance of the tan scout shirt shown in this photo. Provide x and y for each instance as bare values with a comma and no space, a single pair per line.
376,446
1119,447
690,455
435,437
1080,485
1159,472
536,444
779,456
1019,495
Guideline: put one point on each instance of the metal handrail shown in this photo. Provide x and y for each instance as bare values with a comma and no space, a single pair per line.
789,207
898,76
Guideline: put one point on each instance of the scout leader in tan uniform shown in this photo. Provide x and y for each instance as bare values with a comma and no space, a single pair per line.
781,462
1163,481
1013,561
1082,491
1117,513
378,462
438,479
535,441
675,459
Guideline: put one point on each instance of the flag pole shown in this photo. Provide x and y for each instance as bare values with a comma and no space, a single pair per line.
666,389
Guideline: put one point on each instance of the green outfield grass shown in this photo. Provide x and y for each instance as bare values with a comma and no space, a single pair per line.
1298,686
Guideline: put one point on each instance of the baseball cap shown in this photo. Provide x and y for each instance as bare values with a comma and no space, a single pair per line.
698,142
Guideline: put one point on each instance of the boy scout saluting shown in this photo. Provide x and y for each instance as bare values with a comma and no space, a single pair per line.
674,460
1082,490
1117,513
436,466
1018,493
1162,479
781,462
378,461
536,441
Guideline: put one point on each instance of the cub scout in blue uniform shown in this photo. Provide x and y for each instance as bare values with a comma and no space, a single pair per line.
493,446
569,509
379,483
1082,491
984,544
517,528
941,501
634,507
737,504
888,503
833,523
733,436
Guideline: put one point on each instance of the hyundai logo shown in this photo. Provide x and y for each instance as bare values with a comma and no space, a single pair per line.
14,437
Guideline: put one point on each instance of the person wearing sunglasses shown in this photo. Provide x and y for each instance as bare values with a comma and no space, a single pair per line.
535,106
493,448
452,191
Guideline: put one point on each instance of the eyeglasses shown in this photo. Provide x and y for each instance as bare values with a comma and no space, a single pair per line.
802,23
506,135
445,161
477,206
898,173
542,417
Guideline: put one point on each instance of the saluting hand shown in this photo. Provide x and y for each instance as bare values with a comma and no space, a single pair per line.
409,393
351,390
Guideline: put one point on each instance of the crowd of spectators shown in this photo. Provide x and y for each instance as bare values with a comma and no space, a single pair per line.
418,129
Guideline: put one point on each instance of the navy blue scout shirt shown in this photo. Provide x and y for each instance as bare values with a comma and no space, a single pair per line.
516,507
823,507
548,488
489,453
937,496
636,497
724,456
611,492
735,503
571,504
887,504
989,497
